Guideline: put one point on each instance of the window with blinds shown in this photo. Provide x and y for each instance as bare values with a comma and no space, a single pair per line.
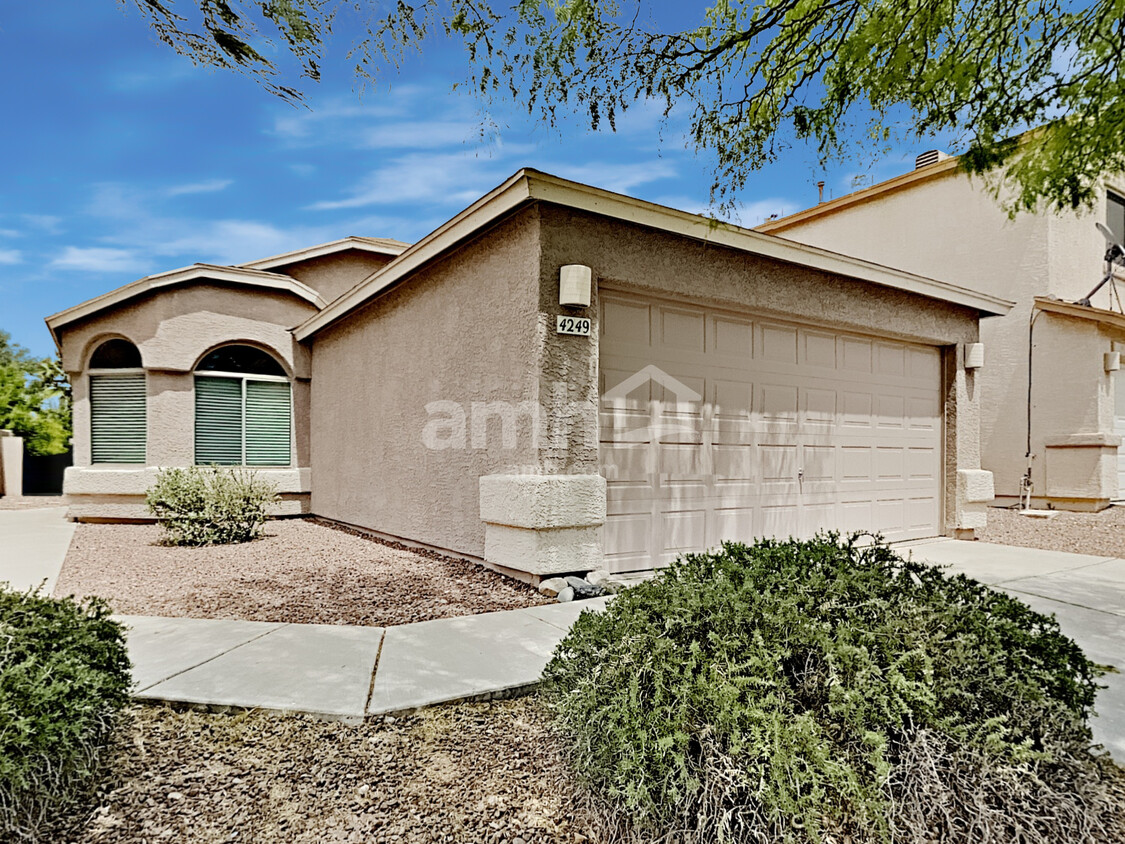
242,421
117,418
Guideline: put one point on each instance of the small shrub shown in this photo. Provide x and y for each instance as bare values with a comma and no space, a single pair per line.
209,505
822,691
64,681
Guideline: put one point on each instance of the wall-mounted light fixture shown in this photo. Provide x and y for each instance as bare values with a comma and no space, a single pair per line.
575,281
1112,361
974,355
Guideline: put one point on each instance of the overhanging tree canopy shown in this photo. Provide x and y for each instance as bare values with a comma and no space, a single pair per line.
746,74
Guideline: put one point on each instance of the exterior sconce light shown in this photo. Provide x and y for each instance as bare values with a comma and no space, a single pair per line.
974,355
575,281
1112,361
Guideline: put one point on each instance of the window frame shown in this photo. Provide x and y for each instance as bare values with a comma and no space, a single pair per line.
1115,197
102,373
244,377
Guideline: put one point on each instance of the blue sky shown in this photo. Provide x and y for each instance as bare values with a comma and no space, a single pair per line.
122,159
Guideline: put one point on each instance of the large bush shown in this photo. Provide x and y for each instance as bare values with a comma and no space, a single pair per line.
64,680
210,505
826,692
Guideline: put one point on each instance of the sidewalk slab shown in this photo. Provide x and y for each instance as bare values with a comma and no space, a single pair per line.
320,669
1100,634
474,656
161,648
34,546
990,563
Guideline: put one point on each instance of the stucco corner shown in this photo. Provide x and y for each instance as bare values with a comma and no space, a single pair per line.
544,552
974,486
543,502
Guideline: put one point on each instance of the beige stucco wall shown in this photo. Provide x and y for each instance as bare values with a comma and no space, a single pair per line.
173,329
952,228
474,332
333,275
635,258
462,332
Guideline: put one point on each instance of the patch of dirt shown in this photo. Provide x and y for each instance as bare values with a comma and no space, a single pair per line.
1100,534
300,571
30,502
476,773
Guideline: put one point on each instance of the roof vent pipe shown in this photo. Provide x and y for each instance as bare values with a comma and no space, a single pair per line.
930,156
820,192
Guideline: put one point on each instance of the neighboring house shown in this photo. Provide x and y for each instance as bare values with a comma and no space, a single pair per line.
731,385
937,220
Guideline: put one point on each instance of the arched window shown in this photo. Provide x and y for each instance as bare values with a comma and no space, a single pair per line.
117,404
243,409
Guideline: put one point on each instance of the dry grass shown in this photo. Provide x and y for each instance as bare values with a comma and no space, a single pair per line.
466,773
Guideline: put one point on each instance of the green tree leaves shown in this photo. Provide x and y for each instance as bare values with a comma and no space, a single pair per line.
34,399
749,76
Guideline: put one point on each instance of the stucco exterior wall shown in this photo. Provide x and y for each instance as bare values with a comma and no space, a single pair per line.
631,257
951,227
333,275
460,336
173,329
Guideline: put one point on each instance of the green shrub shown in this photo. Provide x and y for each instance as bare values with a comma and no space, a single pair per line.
822,691
209,505
64,680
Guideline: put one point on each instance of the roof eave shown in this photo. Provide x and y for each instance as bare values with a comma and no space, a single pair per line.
901,182
378,246
209,272
530,185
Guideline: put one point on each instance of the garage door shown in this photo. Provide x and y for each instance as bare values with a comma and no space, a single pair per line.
716,425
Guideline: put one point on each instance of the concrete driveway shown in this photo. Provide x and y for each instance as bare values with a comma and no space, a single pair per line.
1085,593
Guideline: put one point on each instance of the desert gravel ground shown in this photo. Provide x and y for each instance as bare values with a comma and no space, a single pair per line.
300,571
1101,534
473,773
30,502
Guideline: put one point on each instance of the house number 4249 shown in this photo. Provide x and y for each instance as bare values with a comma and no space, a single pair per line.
572,325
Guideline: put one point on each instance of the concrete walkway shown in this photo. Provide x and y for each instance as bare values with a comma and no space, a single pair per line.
343,672
352,672
1085,593
33,544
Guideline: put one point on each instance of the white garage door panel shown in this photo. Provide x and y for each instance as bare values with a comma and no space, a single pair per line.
716,426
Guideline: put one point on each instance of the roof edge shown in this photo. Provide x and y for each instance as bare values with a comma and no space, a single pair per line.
377,245
900,182
1070,309
211,272
529,185
501,200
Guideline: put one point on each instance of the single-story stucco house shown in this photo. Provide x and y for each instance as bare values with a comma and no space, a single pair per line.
557,379
1053,413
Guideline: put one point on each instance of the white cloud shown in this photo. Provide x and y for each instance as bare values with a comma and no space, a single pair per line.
423,134
98,259
620,178
757,212
419,178
228,241
43,222
10,256
9,233
209,186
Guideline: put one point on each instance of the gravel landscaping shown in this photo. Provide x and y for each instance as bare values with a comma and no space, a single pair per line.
473,773
1100,534
300,571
